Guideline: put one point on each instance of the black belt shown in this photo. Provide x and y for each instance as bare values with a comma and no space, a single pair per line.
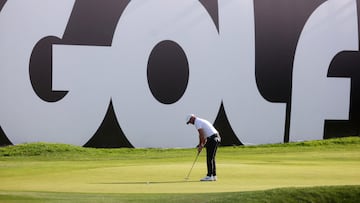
214,136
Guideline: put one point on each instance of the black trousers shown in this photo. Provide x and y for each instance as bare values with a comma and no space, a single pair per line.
212,144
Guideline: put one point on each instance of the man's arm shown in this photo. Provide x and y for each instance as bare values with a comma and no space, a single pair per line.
202,140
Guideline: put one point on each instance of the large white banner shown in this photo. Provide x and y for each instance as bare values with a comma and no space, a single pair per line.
126,73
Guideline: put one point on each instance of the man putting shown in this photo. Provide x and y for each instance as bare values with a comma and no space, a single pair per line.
208,137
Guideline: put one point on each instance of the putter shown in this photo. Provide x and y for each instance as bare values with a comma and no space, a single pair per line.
197,156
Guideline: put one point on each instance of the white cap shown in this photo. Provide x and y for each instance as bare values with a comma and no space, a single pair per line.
188,117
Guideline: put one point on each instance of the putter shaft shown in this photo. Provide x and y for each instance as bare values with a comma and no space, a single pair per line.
196,158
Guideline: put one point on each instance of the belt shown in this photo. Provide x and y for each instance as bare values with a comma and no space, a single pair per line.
216,137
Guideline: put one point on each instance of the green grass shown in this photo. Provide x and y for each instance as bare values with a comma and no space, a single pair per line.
317,171
341,194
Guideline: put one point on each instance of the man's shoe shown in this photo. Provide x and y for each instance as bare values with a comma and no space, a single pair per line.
207,178
214,178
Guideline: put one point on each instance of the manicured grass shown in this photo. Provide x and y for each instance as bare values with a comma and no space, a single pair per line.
53,172
341,194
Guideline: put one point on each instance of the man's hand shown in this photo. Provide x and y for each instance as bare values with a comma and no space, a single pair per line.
200,147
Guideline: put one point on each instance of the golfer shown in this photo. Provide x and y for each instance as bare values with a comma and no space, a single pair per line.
208,137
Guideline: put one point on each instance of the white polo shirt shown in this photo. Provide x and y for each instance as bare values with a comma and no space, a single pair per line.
206,126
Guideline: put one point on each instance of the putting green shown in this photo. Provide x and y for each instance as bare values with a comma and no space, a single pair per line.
239,169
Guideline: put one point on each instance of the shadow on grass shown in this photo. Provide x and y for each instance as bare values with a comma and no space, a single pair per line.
150,182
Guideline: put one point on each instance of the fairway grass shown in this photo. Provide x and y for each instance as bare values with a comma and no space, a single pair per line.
343,194
41,170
